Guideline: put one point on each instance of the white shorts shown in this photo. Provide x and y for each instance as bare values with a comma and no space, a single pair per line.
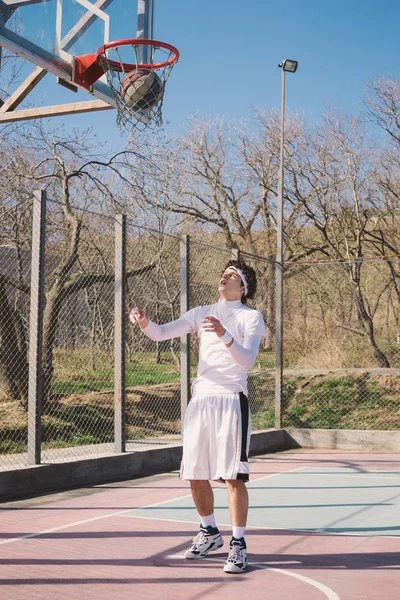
216,438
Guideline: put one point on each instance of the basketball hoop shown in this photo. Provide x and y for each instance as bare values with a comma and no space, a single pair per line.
137,71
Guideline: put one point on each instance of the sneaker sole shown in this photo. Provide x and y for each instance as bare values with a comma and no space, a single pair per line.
231,570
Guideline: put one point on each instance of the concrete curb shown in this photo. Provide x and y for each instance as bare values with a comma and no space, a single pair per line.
39,479
45,478
343,439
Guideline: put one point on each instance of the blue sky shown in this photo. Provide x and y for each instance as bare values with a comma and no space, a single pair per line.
230,50
340,45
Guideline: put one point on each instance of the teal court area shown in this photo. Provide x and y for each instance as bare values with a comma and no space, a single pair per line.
322,525
334,500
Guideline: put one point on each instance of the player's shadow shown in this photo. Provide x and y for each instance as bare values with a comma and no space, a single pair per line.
295,561
353,561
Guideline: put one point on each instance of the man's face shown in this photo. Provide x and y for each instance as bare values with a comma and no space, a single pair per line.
230,285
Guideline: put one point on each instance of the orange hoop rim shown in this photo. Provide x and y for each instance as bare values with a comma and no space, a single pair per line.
115,65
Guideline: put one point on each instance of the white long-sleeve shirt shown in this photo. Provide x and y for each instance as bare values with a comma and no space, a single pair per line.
220,369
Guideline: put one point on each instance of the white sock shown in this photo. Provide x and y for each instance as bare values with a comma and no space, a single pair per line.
238,532
207,521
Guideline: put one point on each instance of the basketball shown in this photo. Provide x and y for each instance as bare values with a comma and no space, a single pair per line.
141,89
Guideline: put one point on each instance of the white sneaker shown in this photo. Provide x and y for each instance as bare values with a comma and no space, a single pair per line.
207,540
237,559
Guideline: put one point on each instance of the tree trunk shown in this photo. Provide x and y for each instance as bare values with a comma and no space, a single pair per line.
14,361
270,291
54,304
20,328
366,319
266,301
270,309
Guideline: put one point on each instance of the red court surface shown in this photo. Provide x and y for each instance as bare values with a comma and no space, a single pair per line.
79,544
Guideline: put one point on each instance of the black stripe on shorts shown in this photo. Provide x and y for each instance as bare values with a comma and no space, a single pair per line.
244,410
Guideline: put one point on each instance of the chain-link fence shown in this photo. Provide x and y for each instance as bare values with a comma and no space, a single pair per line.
342,346
152,373
15,260
341,332
78,336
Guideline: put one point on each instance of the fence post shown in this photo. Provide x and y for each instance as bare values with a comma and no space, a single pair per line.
35,386
235,254
119,334
185,339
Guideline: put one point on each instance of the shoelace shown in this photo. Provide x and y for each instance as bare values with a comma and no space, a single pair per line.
235,553
199,540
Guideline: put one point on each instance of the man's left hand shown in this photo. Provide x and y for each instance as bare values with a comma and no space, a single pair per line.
213,325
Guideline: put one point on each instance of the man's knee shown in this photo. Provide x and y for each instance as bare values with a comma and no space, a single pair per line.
197,484
235,484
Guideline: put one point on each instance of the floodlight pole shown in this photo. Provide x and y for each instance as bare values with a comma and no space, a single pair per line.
279,263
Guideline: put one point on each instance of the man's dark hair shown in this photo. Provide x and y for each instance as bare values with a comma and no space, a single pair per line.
250,274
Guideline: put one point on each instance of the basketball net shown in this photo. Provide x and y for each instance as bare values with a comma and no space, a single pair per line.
121,63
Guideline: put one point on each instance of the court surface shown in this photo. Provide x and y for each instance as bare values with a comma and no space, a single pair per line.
322,525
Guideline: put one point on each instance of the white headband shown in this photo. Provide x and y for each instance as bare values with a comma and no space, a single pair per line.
243,278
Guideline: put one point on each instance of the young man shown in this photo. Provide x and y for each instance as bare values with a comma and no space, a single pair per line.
216,433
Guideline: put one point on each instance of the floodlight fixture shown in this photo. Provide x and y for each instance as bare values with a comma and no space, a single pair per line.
289,65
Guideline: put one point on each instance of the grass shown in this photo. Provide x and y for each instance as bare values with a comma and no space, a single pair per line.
263,420
12,447
66,426
72,373
348,402
309,401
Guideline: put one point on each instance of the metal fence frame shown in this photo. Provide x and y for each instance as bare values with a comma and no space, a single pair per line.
37,297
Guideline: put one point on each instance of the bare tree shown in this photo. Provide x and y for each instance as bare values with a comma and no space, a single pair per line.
223,179
383,108
333,185
15,244
73,173
383,105
201,177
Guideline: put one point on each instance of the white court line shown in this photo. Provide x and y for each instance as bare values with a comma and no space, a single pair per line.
353,475
46,531
329,593
366,472
266,528
124,512
114,514
190,495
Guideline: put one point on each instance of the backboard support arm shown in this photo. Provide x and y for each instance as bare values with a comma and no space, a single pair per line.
61,69
54,111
